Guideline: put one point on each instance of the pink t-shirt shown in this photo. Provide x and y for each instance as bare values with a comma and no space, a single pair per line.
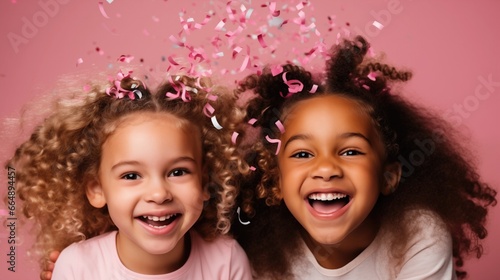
97,258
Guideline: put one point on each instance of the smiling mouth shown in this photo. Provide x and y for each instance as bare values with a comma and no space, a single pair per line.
159,221
326,203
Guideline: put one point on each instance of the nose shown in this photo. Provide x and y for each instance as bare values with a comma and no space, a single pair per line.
326,168
158,191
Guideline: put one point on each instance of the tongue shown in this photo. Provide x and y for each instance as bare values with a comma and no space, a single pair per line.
327,207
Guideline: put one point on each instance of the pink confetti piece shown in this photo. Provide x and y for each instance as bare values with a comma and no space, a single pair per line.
236,51
101,8
277,69
378,25
212,97
252,121
245,63
234,136
125,58
280,126
220,25
180,91
261,40
79,61
252,168
274,12
272,141
176,41
172,61
99,51
230,12
314,88
371,52
372,76
86,88
208,110
294,86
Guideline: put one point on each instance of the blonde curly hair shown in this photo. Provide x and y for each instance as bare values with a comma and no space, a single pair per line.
63,153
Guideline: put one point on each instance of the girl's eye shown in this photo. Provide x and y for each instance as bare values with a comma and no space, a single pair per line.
131,176
352,153
178,172
302,155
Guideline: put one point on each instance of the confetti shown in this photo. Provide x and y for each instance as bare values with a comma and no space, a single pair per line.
272,141
280,126
216,123
277,69
125,58
234,136
208,110
314,88
261,41
294,86
103,12
79,61
243,223
372,76
378,25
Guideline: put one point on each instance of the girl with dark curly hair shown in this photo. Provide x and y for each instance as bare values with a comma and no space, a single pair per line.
131,184
352,181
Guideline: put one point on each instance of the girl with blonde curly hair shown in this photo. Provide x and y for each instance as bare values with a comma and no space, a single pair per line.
132,184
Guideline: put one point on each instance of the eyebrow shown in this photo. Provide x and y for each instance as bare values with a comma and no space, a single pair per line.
355,134
343,135
134,162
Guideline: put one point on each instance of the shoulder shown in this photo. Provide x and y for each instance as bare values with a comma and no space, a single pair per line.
220,246
429,252
428,228
222,254
78,257
90,246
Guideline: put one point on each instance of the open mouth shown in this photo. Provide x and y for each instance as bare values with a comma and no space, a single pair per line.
159,222
327,203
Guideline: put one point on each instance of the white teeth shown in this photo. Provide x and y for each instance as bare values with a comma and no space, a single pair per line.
156,226
161,219
326,196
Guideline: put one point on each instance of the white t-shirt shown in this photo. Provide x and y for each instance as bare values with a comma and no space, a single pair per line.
97,258
428,256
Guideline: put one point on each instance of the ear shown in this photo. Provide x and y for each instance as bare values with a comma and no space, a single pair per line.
95,194
392,175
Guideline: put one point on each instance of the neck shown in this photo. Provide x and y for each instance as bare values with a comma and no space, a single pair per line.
334,256
142,262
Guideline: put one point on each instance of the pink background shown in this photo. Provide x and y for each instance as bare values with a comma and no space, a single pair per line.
451,46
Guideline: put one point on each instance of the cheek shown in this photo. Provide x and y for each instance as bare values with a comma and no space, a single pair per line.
192,197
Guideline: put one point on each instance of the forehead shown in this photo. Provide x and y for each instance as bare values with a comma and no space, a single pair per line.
152,136
163,126
330,115
328,109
